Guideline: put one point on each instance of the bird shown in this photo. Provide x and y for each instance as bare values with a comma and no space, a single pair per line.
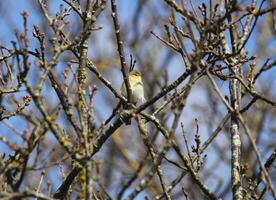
136,87
137,94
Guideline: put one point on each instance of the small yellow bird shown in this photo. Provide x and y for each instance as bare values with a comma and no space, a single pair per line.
136,87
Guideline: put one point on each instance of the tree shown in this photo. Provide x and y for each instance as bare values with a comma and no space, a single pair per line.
206,130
